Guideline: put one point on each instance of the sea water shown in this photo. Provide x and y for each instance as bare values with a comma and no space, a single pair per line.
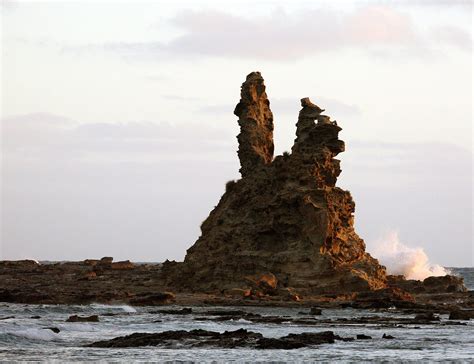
24,338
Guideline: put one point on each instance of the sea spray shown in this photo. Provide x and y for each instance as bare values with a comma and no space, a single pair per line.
412,262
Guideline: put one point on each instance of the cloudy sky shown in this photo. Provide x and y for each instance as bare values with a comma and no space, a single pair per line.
118,134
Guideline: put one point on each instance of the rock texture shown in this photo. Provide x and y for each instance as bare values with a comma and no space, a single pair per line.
240,338
285,217
256,125
89,281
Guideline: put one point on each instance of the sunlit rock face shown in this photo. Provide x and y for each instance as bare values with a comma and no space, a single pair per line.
285,216
256,125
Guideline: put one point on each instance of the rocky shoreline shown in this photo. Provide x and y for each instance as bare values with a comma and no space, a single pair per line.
103,281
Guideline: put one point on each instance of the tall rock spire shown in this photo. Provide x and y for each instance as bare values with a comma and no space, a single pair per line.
290,221
256,125
317,143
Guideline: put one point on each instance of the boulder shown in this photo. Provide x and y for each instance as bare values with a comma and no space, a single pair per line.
106,261
444,284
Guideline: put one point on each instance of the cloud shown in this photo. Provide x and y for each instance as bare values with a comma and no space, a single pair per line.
140,190
452,35
7,5
180,98
136,190
48,137
291,106
287,36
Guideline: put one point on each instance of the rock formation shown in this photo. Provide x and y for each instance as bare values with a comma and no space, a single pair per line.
285,216
256,125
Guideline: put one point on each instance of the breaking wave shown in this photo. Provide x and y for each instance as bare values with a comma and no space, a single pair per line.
123,308
399,258
29,334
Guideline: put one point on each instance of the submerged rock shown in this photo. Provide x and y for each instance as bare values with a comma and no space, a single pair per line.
76,318
183,311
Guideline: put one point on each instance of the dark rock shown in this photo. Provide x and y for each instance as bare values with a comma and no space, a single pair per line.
389,337
444,284
75,318
151,299
193,338
183,311
106,260
53,329
461,315
382,298
229,339
35,317
429,316
272,343
315,311
313,338
363,337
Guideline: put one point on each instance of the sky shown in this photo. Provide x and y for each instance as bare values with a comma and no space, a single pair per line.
118,133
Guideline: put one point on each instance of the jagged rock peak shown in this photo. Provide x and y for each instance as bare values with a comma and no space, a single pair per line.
309,107
312,137
317,143
256,125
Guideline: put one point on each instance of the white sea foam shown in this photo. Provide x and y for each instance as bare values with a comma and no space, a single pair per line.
128,309
35,334
125,308
399,258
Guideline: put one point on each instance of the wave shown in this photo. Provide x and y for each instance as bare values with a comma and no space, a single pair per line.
36,334
124,308
401,259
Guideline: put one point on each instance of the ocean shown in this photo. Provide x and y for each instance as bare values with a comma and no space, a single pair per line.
25,337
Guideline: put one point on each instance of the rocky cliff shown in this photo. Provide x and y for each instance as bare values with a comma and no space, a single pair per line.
285,217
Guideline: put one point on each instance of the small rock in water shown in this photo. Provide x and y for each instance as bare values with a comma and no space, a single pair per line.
35,317
272,343
426,317
461,315
183,311
385,336
363,337
75,318
53,329
315,311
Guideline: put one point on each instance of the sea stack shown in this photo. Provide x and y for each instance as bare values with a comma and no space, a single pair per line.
285,218
256,125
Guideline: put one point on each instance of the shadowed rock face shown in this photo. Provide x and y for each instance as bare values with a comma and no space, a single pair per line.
285,216
256,125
